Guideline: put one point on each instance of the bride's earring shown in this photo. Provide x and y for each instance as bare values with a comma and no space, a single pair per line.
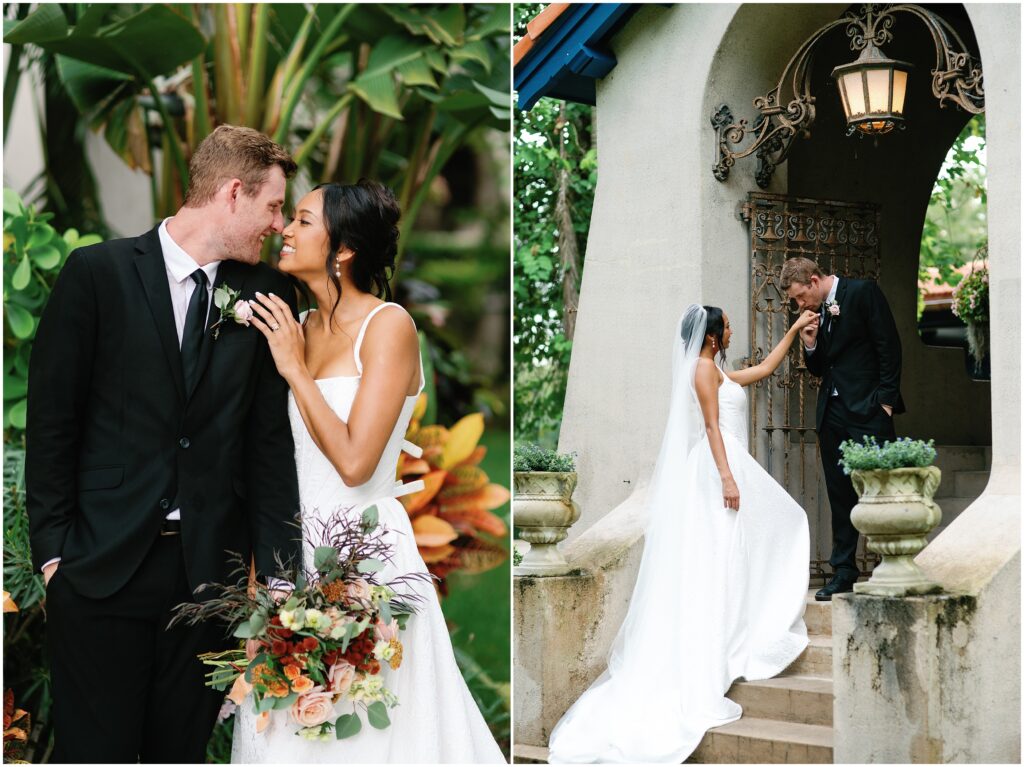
337,267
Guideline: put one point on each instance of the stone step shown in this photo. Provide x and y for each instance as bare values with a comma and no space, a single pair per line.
799,699
970,484
815,660
522,754
950,458
817,616
763,741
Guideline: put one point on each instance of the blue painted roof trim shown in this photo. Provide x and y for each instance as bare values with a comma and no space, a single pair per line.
571,55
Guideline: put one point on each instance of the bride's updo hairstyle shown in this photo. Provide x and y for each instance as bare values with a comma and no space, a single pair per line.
716,328
364,218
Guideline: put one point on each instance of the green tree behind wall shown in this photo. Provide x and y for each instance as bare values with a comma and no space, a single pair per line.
555,173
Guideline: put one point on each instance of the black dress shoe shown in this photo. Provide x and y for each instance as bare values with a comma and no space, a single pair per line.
840,584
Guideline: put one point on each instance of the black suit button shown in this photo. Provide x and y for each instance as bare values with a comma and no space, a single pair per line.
184,443
165,503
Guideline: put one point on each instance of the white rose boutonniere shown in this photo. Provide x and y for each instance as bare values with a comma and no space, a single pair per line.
231,308
833,309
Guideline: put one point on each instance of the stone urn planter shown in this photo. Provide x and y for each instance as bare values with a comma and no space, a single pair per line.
543,510
896,512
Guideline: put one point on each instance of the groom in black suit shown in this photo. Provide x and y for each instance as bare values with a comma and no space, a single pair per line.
855,348
156,444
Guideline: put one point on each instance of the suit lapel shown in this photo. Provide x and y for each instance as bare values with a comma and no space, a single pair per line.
232,274
149,261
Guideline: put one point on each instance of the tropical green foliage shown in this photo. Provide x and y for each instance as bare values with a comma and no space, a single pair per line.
386,91
868,455
555,171
25,668
34,253
956,224
531,457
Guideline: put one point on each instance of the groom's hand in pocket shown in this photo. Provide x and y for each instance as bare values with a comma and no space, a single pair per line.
49,571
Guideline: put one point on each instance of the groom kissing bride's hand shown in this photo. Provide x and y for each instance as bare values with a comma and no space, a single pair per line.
853,345
157,441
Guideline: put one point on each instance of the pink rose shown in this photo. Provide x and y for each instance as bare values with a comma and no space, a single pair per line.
243,312
387,631
358,590
833,309
341,676
313,709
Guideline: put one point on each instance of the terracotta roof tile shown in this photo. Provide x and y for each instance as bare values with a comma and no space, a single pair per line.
535,29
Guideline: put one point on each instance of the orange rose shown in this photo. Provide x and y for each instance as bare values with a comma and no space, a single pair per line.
292,672
302,684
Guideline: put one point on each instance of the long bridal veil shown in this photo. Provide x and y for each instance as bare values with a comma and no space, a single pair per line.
663,687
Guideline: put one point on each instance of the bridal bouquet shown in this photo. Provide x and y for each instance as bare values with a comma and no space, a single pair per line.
326,645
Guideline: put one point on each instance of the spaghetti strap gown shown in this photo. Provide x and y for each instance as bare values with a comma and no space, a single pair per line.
436,720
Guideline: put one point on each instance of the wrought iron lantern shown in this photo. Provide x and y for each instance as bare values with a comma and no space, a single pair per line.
872,89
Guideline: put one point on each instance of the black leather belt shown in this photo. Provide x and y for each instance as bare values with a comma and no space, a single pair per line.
170,527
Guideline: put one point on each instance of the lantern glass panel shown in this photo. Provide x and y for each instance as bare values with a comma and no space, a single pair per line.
899,91
854,87
878,91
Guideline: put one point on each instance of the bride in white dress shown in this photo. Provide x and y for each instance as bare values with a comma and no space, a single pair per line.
355,372
724,574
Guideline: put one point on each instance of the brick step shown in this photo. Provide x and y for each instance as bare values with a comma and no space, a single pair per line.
815,660
817,616
799,699
763,741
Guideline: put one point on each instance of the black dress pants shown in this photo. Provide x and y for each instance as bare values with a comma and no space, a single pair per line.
125,688
839,425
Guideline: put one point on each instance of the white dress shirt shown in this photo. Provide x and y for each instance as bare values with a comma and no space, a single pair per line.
180,266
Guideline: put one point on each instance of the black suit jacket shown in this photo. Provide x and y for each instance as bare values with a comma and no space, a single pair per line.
859,352
114,442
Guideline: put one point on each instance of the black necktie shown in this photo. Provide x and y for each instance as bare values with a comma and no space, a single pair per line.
195,329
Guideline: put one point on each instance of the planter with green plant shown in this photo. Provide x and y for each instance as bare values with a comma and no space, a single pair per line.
896,484
542,506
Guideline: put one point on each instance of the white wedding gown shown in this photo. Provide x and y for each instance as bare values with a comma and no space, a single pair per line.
722,598
436,720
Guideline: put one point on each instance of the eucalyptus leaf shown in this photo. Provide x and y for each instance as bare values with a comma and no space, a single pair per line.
371,516
244,631
284,703
324,557
222,297
265,704
377,715
370,566
346,726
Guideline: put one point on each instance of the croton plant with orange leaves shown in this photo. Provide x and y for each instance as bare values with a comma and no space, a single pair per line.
453,515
